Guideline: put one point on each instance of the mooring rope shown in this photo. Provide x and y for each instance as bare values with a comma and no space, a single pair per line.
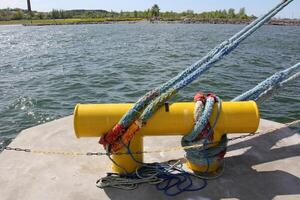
274,89
207,154
126,127
202,133
271,84
165,178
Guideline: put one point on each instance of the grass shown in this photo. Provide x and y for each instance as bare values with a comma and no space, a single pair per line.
67,21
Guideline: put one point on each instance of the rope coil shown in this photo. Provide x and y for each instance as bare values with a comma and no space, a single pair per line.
203,133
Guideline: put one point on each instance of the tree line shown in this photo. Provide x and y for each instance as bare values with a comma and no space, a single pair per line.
151,13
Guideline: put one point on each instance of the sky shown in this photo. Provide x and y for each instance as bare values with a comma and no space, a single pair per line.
255,7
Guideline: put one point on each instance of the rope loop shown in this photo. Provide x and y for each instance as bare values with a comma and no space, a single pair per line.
203,133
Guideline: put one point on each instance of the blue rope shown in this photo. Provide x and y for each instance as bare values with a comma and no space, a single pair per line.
175,180
277,80
200,124
204,155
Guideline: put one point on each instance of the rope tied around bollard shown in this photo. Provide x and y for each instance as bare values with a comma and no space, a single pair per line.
121,135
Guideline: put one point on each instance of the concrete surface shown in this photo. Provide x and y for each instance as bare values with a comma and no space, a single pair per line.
265,166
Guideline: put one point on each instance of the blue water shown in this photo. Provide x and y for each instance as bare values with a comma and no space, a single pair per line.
45,71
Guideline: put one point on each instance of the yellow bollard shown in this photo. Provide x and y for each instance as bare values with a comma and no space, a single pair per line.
94,120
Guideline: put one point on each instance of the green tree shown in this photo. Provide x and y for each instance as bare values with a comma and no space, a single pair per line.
224,13
155,11
188,13
242,13
112,14
2,14
55,14
62,14
40,15
148,13
18,15
231,13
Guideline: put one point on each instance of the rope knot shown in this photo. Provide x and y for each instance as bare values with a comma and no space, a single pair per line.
112,135
203,133
212,95
200,96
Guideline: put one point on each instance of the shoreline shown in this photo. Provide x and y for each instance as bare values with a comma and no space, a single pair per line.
81,23
276,22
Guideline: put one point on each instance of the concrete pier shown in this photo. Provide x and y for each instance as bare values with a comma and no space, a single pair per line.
264,166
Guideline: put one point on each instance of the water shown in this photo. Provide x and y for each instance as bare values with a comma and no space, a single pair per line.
45,71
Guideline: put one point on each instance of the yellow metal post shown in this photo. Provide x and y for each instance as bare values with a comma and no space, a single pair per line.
94,120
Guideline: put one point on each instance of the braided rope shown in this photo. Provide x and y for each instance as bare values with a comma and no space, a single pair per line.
269,85
202,133
274,89
168,177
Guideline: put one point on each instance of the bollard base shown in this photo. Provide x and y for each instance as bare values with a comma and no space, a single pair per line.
204,168
125,163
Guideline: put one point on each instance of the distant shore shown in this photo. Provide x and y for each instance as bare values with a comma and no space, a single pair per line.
280,22
48,22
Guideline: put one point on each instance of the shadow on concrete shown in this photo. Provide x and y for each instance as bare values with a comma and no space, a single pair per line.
239,180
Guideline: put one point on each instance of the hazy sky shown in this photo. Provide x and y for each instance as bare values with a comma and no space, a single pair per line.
256,7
